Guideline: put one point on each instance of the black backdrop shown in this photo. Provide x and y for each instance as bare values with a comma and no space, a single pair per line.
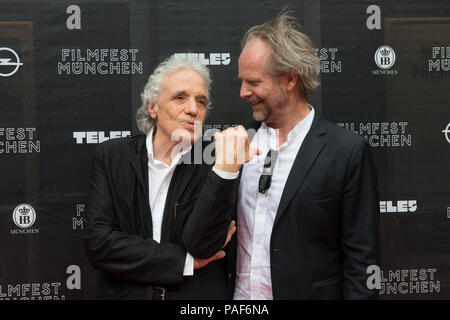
71,77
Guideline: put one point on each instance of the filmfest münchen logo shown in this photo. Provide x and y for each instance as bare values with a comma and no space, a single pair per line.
446,132
403,281
441,59
114,61
382,134
9,62
329,60
19,140
48,290
24,216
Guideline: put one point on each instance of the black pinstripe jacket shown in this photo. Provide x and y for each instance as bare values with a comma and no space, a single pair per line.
118,233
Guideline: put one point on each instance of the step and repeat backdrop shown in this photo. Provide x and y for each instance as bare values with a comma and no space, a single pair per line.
71,74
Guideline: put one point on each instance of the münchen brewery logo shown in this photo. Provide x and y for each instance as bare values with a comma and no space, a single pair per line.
385,57
24,216
9,62
446,132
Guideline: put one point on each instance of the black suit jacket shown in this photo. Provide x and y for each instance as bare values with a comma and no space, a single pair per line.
325,232
118,233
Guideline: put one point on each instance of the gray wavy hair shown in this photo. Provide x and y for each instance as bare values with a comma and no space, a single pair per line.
152,89
291,50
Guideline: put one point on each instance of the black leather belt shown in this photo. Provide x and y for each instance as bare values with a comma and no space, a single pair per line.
159,293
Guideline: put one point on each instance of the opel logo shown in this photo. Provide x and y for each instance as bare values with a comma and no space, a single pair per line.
9,62
446,131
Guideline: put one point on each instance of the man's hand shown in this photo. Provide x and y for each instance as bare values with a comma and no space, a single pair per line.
233,149
231,231
200,263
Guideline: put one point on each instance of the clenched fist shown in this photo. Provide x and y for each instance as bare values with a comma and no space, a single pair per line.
233,149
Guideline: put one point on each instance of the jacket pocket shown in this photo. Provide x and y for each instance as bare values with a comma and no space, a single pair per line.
184,207
180,214
328,289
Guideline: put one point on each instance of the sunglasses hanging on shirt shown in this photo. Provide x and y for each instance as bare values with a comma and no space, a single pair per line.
266,176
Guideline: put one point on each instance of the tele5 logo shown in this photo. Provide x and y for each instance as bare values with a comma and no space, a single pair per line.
398,206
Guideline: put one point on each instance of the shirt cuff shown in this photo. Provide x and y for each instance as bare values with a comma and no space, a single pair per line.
189,265
226,175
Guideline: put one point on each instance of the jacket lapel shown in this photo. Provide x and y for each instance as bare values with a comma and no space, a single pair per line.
139,163
181,178
251,127
183,174
310,149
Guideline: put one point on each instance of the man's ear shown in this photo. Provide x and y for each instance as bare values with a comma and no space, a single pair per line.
152,108
291,80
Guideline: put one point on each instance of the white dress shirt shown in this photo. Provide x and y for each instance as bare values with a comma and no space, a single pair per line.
256,212
159,177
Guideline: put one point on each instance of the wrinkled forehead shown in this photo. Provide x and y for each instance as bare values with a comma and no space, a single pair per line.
184,79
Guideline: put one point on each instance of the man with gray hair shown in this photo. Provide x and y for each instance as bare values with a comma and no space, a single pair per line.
307,214
157,227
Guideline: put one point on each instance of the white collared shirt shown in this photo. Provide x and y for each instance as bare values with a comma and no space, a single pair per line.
256,212
159,177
